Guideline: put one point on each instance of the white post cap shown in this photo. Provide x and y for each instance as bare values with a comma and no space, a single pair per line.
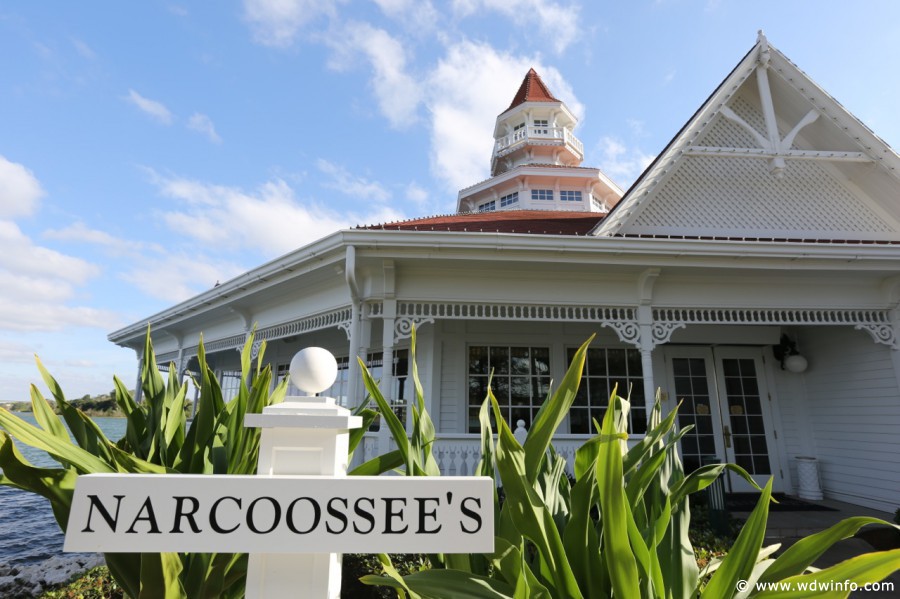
313,370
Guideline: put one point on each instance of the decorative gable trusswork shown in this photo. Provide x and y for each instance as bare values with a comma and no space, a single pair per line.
769,156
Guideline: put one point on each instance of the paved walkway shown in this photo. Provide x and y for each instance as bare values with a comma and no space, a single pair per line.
788,527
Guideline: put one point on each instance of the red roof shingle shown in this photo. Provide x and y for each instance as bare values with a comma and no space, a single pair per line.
536,222
532,90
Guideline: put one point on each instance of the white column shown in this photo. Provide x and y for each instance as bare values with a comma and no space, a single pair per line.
645,322
302,435
387,372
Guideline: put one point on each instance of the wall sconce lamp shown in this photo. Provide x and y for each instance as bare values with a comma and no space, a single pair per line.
786,353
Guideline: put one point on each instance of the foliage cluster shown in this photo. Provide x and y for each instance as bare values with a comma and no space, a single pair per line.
621,530
158,439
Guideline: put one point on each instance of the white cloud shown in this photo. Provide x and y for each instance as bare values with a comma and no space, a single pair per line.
621,163
81,233
174,277
342,180
279,22
416,194
269,219
556,21
203,124
464,103
38,282
155,109
398,93
417,16
83,49
20,190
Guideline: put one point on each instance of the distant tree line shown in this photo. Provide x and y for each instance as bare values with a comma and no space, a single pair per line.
97,405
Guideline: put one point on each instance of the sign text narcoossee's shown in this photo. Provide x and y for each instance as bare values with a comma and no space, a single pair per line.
281,514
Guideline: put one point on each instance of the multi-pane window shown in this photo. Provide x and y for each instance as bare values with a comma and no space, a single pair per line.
521,381
692,388
597,204
487,206
519,131
542,194
745,413
340,390
509,199
541,127
570,196
399,392
605,369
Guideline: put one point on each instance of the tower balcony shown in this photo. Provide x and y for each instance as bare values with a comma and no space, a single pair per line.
539,136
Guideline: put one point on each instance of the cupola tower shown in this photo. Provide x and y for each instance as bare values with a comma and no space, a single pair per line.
536,162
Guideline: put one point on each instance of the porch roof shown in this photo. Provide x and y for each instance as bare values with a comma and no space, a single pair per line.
538,222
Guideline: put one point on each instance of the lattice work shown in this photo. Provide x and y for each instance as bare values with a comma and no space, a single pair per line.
739,196
770,316
726,134
334,318
477,311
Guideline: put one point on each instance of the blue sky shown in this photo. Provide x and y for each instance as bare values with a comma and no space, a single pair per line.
148,150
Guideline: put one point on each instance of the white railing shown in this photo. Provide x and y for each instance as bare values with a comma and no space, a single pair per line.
458,454
525,134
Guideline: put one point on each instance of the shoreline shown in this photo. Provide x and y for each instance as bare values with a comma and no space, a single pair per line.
30,580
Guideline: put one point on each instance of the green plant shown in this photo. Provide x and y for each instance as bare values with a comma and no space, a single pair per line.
621,530
157,440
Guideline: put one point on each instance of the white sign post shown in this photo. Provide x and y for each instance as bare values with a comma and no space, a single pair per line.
302,435
298,514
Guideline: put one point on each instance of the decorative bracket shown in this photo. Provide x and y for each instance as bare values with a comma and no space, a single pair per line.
628,331
880,333
403,326
345,325
662,331
254,349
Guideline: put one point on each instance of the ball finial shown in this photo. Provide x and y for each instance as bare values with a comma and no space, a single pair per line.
313,370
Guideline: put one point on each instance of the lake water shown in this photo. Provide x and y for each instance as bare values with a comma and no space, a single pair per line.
29,533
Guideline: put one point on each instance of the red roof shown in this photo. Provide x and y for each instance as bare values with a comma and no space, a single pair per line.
537,222
532,90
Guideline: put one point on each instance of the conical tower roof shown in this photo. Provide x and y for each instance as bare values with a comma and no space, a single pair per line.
532,89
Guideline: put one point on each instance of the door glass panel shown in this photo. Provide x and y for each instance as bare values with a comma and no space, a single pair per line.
745,414
691,388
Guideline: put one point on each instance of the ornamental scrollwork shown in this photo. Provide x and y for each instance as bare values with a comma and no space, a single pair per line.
403,326
254,349
345,325
880,333
662,331
628,331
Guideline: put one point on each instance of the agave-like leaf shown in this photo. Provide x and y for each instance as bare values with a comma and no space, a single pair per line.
739,562
445,584
804,552
160,576
552,413
869,567
530,516
620,559
62,450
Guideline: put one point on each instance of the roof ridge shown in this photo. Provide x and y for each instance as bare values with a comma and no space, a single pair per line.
533,89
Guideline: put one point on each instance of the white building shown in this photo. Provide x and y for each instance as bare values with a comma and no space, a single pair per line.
773,213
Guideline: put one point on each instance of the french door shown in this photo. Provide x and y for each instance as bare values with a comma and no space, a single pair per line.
724,395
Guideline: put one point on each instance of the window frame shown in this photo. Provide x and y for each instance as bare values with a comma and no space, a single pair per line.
571,195
537,193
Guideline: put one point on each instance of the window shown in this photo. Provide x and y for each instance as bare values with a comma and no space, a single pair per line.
542,194
521,381
509,199
598,204
570,196
487,206
519,131
603,370
541,127
398,396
